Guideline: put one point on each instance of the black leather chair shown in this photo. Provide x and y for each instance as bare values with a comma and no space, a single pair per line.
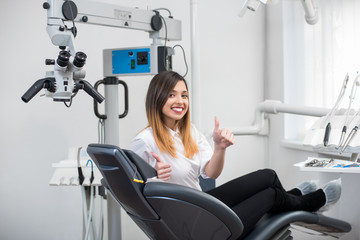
168,211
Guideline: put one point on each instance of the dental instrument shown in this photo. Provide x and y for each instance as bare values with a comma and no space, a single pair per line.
349,138
327,134
333,110
80,173
347,121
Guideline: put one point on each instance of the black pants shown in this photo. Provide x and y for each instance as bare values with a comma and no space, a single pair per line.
253,195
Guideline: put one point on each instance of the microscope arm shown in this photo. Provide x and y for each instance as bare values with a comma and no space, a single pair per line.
104,14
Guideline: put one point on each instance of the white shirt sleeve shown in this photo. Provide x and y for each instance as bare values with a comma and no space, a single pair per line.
205,150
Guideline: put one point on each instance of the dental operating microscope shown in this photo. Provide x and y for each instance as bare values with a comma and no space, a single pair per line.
67,78
68,75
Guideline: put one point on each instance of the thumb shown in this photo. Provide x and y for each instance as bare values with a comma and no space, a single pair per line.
157,158
217,124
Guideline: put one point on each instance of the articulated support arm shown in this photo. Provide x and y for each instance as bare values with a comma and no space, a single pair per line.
275,107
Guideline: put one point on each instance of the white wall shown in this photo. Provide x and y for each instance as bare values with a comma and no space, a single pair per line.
232,73
39,133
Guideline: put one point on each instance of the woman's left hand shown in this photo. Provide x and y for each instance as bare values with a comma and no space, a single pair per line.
223,138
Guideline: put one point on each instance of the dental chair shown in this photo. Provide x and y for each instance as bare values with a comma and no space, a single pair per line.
167,211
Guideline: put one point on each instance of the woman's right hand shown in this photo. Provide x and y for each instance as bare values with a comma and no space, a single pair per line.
223,138
163,169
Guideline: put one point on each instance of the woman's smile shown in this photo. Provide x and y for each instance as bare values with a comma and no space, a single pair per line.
176,105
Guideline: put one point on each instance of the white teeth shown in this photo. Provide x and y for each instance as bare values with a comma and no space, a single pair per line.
177,109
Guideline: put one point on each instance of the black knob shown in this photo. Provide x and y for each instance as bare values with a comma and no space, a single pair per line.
69,10
49,62
46,5
85,19
156,21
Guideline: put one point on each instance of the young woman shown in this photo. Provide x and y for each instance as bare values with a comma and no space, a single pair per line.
180,154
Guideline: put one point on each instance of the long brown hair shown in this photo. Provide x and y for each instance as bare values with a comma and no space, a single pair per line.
158,93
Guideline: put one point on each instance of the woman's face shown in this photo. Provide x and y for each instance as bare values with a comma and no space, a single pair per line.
176,105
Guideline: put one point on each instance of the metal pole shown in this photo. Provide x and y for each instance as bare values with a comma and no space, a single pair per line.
112,137
195,66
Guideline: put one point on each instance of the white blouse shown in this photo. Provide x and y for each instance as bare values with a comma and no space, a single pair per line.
185,171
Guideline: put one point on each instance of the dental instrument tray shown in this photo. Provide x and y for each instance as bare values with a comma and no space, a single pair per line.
328,165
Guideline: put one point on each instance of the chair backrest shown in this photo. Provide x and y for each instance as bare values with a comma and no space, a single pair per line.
163,211
118,172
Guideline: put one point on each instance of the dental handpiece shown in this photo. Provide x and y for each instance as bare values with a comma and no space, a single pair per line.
342,137
349,138
327,134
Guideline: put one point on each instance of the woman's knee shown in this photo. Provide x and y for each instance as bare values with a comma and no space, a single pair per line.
269,171
272,177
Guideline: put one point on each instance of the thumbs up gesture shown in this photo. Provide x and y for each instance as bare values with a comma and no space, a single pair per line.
163,169
223,138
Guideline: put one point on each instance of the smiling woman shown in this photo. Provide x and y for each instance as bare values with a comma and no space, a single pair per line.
180,154
160,95
170,143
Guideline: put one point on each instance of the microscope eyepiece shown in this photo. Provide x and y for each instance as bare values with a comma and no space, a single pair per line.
63,58
79,60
